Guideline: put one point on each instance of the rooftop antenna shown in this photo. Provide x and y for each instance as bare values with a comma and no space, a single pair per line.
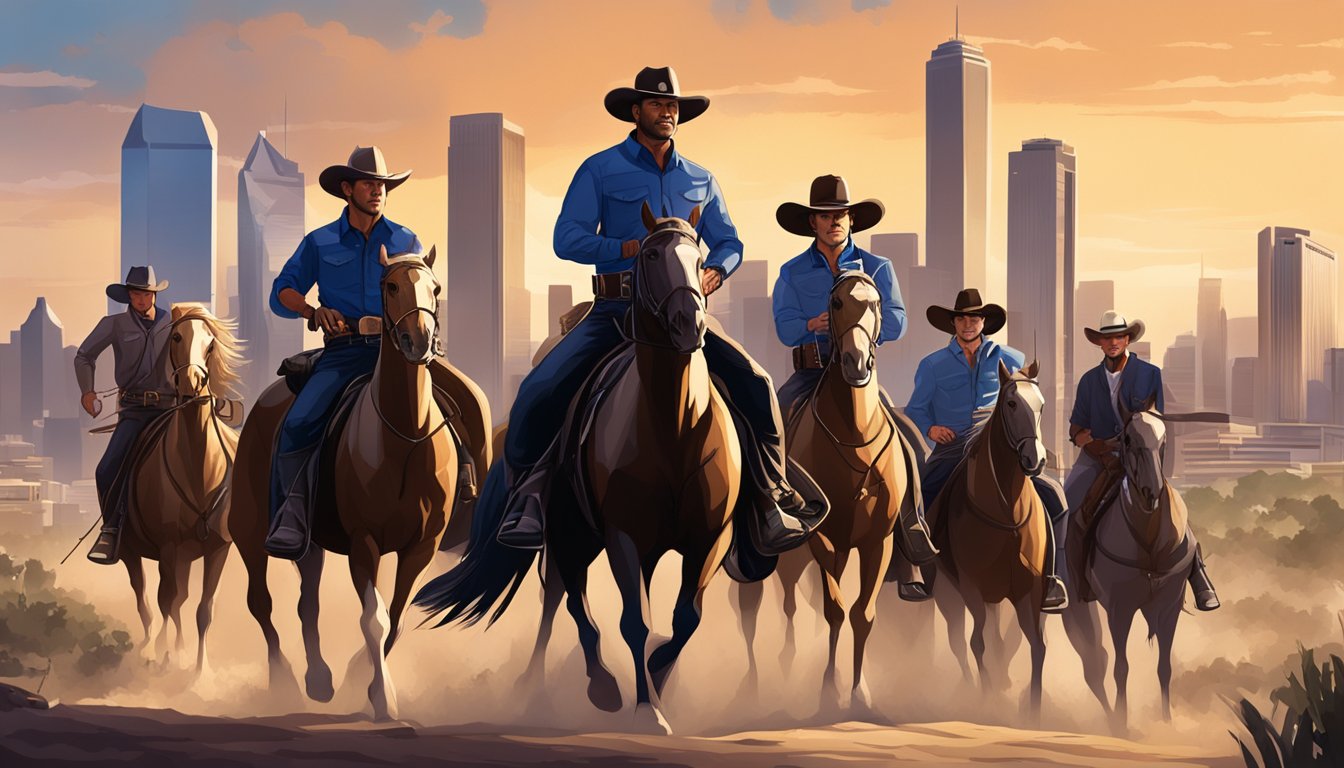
958,22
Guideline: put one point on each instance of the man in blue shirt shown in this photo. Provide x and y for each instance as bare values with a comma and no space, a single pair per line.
956,389
342,260
1095,426
802,319
600,224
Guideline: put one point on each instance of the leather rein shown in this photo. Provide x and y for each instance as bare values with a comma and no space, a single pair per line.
390,326
203,515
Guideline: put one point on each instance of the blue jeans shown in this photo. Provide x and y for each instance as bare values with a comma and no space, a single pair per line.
131,422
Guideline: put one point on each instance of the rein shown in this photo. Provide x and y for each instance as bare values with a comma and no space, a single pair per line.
204,397
1016,446
389,326
656,307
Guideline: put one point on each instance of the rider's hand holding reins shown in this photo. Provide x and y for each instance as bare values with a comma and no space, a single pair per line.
820,324
629,248
89,402
941,435
710,280
330,321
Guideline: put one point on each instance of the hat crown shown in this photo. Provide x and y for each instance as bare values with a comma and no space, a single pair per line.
369,160
138,276
657,80
829,190
967,298
1112,320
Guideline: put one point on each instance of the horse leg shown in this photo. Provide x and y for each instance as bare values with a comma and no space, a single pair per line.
749,597
790,572
136,570
625,566
1082,624
872,566
167,593
182,574
1166,634
317,676
259,603
552,592
976,607
1032,622
603,691
374,622
696,571
832,563
1120,619
1001,643
954,613
215,559
410,564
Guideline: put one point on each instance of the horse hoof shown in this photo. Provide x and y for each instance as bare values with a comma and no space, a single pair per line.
317,682
649,719
603,691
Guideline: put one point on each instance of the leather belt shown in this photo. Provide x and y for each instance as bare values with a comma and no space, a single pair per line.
348,339
614,286
807,357
148,398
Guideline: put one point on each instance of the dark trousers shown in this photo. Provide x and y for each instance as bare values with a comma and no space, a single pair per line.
131,421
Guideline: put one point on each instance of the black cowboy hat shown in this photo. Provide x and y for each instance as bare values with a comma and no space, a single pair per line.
137,278
1113,324
829,193
654,83
364,163
968,303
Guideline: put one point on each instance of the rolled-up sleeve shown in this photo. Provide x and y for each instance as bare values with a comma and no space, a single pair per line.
299,273
920,407
86,357
719,233
576,238
893,309
790,323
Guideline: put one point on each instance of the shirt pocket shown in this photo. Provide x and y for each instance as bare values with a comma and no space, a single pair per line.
338,271
954,381
623,211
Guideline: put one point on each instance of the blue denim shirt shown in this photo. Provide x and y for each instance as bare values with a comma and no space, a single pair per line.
344,265
602,207
804,286
1092,409
948,390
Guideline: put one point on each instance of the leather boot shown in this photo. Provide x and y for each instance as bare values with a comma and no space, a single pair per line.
1054,597
106,549
914,531
1205,598
289,532
524,524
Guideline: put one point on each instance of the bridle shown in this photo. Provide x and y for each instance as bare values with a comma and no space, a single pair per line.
871,335
1131,454
1015,443
172,357
390,325
202,515
674,228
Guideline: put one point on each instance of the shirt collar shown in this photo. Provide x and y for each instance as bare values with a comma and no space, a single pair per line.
980,352
639,154
158,315
344,228
848,258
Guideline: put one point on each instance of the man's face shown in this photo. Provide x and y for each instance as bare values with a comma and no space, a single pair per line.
1114,346
366,195
969,327
141,301
657,118
832,228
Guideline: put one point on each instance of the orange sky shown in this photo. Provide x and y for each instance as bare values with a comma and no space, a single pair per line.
1195,125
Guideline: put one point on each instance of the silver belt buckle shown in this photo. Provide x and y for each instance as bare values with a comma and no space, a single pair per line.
370,325
626,292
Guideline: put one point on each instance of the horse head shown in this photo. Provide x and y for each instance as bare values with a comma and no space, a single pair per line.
667,282
1141,443
856,310
410,304
190,346
1020,403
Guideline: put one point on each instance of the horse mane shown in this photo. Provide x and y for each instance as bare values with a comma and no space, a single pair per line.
227,359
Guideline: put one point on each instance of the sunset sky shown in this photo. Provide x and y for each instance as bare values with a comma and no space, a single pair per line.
1195,123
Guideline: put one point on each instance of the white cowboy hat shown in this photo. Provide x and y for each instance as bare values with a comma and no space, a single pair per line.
1113,324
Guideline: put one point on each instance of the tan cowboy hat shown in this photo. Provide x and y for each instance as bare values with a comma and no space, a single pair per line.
654,83
1114,324
829,193
968,303
364,163
137,278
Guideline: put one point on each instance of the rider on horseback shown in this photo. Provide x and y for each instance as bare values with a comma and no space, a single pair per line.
600,224
803,289
1095,427
138,338
955,390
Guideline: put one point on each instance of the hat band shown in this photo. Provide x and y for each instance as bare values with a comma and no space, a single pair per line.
1112,329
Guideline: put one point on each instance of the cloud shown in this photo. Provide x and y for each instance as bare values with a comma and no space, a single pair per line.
799,86
1053,43
43,79
1259,33
62,180
1300,108
1213,81
1192,44
435,24
1337,42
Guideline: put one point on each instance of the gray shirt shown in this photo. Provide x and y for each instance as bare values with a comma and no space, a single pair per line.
139,356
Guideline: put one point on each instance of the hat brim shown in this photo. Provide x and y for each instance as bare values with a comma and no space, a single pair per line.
864,214
1134,330
942,317
619,101
121,292
332,176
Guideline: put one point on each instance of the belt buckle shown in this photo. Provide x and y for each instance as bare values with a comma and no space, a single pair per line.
626,292
370,325
151,396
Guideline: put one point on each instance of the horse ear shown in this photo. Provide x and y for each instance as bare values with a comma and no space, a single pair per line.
176,311
695,217
647,214
382,255
429,257
1033,369
1004,374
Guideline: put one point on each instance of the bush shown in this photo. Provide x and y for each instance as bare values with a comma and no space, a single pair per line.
1313,721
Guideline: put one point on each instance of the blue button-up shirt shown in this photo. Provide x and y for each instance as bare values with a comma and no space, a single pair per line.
1093,409
948,390
602,207
804,287
344,265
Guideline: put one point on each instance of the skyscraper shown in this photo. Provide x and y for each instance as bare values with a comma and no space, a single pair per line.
1211,335
559,300
920,286
11,385
1041,231
1179,373
1334,382
489,306
956,167
270,227
44,375
1241,388
168,200
1090,299
1298,316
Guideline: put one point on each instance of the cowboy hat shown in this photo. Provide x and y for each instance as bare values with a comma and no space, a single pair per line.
364,163
1114,324
654,83
968,303
137,278
829,193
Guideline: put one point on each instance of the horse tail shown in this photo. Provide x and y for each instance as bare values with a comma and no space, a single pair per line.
488,575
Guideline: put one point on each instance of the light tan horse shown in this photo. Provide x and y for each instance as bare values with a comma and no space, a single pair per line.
178,501
395,477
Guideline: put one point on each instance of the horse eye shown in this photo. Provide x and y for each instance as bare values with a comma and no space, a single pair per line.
391,287
177,337
651,254
835,303
1012,403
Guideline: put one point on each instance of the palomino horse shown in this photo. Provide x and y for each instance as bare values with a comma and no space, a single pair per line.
1144,551
394,472
995,540
663,466
845,438
179,487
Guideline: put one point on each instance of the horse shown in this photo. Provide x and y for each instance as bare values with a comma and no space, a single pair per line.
662,471
845,438
394,474
179,485
992,523
1144,551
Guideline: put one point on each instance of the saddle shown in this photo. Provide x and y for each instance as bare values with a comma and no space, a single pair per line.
1080,547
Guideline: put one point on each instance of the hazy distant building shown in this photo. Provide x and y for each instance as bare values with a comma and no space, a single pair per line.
168,200
1211,335
1090,299
898,359
1180,373
559,300
1143,349
1042,224
44,375
1334,382
1297,286
270,227
1241,388
956,162
11,386
486,292
1243,334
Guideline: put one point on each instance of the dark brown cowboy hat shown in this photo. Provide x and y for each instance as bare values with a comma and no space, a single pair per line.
968,303
654,83
137,278
364,163
1114,324
829,193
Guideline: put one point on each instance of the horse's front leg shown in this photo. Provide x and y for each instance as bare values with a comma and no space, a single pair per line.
373,621
136,570
317,678
625,566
